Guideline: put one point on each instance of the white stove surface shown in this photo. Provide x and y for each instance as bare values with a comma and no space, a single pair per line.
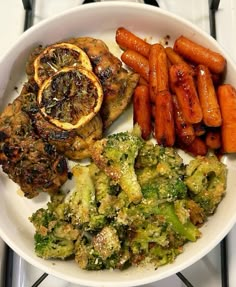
205,272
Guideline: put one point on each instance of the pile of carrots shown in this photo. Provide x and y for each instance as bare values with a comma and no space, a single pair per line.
180,99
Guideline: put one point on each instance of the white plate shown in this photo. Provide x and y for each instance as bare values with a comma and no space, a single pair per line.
101,20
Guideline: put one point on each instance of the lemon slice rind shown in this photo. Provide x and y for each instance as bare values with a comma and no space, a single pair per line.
83,59
85,118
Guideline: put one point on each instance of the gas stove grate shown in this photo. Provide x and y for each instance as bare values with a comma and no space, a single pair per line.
29,17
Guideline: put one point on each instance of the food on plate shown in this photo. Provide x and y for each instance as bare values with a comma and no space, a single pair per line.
193,75
183,85
70,98
116,156
136,203
227,99
158,71
75,90
208,99
213,139
55,57
27,159
137,62
164,119
142,110
184,130
118,84
127,40
198,54
175,58
205,178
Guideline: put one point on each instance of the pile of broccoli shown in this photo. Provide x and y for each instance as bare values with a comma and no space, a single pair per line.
135,203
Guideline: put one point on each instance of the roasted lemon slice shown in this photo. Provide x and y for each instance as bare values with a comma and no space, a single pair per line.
57,56
71,97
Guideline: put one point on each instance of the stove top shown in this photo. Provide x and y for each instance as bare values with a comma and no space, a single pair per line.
212,270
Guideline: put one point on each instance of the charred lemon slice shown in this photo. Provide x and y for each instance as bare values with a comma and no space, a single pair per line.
57,56
71,97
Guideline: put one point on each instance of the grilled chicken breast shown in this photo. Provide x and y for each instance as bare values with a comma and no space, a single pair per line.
118,84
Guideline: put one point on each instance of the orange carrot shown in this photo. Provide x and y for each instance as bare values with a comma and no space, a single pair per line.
184,87
213,139
142,82
199,129
137,62
158,70
175,58
142,110
199,54
164,119
208,99
195,148
184,130
227,100
127,40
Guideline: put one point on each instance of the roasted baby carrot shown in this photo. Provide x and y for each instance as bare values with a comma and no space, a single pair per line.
183,85
199,129
142,82
196,147
213,139
175,58
164,119
196,53
184,130
158,71
137,62
127,40
208,99
142,110
227,100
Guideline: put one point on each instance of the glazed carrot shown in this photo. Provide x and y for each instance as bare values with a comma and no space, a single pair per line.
164,119
213,139
199,54
195,148
227,100
137,62
158,71
199,129
184,130
142,81
153,111
142,110
175,58
183,85
208,99
127,40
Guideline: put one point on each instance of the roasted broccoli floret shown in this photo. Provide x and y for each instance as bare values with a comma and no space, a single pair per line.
101,251
80,203
116,156
164,189
166,212
54,238
50,246
166,159
206,180
136,202
160,172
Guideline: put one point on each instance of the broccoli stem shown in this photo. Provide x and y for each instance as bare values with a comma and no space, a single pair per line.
167,210
188,230
130,184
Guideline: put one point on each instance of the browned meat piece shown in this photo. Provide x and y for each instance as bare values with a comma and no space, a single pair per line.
29,161
73,144
118,84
